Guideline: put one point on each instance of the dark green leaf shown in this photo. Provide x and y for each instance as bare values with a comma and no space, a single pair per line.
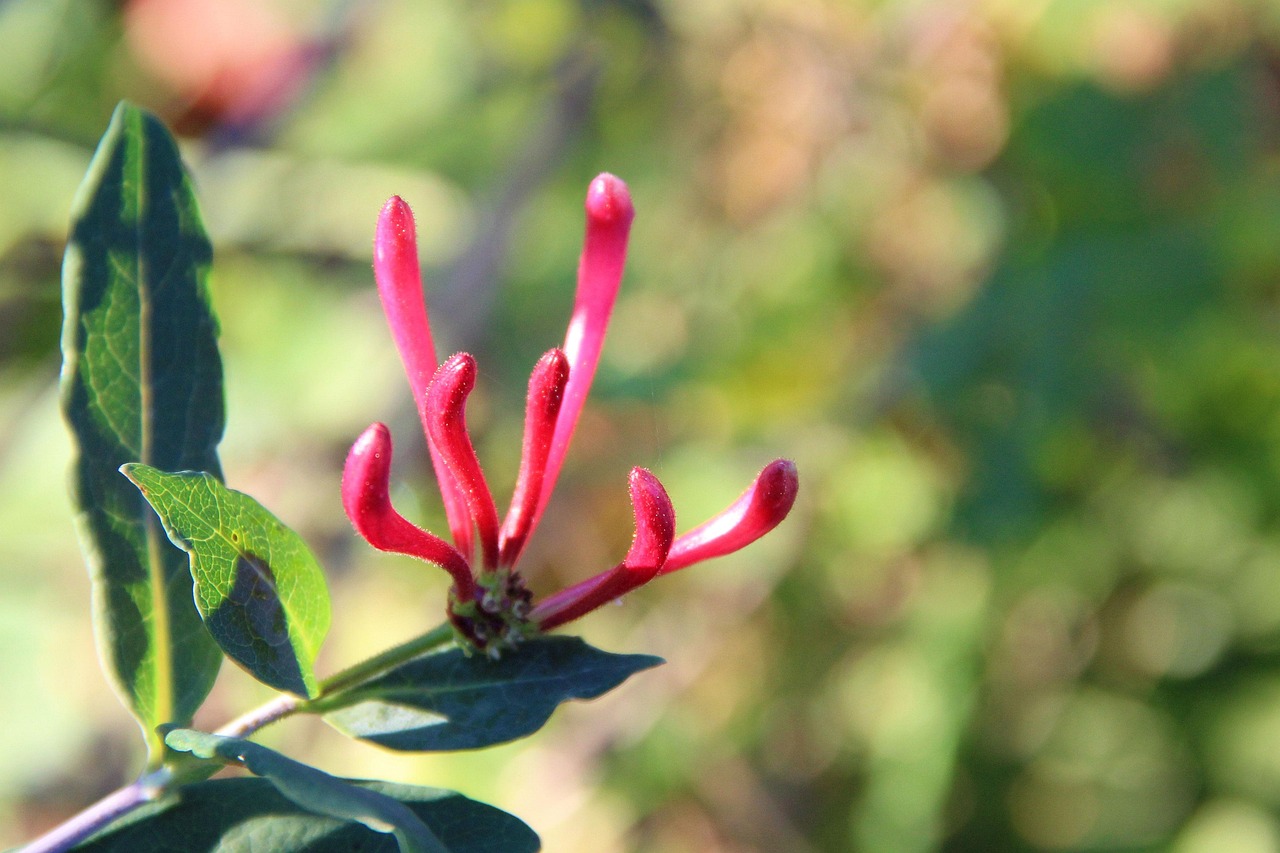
449,700
251,814
141,381
260,590
314,790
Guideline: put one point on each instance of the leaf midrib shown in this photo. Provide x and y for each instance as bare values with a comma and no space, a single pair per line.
388,691
161,626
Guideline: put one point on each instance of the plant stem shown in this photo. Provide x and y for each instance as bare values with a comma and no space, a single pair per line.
155,785
380,663
100,814
286,706
260,717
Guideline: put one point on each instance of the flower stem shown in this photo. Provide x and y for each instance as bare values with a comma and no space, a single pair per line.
380,663
154,785
286,706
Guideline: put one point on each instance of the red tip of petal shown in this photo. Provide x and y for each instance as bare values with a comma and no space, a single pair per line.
546,384
364,477
778,485
609,201
367,502
453,383
655,522
757,511
395,227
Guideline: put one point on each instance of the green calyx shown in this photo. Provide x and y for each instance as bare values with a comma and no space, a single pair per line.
497,619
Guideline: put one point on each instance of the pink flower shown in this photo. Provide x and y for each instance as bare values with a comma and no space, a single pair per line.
489,603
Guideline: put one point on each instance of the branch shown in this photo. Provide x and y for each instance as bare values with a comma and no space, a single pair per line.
101,814
155,785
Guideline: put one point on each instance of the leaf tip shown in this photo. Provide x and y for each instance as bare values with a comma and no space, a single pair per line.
650,661
136,473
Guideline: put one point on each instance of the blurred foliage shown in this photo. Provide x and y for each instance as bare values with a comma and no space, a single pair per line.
1003,277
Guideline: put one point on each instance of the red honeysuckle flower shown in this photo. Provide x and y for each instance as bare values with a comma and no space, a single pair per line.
490,605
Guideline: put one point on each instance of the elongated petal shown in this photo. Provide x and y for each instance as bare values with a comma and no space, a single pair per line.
546,393
655,529
757,511
604,252
367,502
445,417
395,268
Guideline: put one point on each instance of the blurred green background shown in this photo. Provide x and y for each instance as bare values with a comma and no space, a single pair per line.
1002,277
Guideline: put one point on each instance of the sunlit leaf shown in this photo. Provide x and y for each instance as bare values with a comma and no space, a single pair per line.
260,590
449,700
141,382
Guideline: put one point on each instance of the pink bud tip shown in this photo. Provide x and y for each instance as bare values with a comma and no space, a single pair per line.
609,201
444,413
655,528
367,502
757,511
546,393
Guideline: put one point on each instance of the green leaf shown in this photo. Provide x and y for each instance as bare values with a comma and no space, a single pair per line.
260,590
313,789
141,381
251,814
449,700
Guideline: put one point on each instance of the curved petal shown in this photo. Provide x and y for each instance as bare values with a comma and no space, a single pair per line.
546,393
395,268
367,502
655,529
757,511
445,416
